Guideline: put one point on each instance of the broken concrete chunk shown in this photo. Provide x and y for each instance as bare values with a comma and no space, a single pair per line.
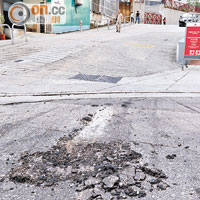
132,192
110,181
104,167
92,181
140,175
126,180
162,186
97,191
129,171
142,194
85,195
153,172
106,196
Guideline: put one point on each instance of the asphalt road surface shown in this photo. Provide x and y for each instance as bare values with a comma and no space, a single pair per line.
154,127
95,148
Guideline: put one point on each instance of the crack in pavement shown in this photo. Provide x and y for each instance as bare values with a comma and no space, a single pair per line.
185,106
148,77
178,80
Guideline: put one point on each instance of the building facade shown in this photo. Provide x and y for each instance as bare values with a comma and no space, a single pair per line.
125,8
103,10
74,16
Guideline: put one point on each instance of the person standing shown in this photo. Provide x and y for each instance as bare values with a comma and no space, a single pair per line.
132,18
137,17
164,21
119,21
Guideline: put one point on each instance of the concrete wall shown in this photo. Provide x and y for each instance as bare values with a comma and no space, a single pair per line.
172,16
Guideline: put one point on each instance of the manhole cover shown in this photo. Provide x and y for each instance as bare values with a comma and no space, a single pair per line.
97,78
19,60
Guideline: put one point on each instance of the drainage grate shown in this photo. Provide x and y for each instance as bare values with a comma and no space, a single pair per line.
97,78
19,60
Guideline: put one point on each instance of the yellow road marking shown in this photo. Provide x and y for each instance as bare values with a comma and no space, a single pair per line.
139,45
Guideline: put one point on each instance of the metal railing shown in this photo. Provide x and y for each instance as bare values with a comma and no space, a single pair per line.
125,21
11,35
24,32
96,23
107,20
12,32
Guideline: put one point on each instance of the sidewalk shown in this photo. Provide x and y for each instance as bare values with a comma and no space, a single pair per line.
42,69
176,83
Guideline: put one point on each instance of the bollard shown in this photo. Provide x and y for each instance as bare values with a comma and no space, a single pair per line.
25,33
13,42
81,25
97,25
108,24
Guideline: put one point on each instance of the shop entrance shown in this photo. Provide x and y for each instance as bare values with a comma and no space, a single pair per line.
125,8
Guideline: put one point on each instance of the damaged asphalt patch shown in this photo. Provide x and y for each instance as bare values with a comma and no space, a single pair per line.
98,170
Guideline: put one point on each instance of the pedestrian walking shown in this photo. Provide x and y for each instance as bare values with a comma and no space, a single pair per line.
119,21
164,21
137,17
132,18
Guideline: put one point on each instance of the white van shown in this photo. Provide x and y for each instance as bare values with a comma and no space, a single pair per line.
187,18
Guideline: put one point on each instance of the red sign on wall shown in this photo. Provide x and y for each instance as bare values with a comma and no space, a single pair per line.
192,42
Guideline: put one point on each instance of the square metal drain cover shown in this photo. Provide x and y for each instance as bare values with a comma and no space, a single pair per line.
97,78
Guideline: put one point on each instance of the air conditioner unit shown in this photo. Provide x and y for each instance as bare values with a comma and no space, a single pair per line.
78,2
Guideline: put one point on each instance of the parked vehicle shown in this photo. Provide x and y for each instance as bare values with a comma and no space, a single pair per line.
188,18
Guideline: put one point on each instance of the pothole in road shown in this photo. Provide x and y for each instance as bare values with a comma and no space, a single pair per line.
97,78
99,170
